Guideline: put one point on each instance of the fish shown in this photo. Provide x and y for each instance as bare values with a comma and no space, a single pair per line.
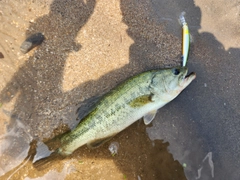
185,40
139,96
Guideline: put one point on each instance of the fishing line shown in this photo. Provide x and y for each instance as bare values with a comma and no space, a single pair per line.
19,168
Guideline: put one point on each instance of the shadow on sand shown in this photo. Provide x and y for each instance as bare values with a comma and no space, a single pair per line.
43,106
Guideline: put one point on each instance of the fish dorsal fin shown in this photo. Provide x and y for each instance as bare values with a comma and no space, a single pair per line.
98,142
149,117
87,106
140,101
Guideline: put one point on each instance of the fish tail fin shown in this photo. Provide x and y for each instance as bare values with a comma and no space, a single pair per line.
42,151
45,149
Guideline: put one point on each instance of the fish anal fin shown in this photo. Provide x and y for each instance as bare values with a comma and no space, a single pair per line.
98,142
140,101
149,117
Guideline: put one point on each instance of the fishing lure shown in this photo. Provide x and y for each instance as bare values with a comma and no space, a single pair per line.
186,39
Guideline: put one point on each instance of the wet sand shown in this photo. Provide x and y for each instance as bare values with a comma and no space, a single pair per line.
90,47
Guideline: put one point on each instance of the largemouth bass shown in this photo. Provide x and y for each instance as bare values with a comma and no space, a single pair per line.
137,97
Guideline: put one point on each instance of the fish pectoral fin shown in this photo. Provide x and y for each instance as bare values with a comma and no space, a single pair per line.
149,117
98,142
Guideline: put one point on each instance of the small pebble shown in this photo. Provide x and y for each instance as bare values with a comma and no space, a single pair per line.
31,42
113,148
1,55
184,165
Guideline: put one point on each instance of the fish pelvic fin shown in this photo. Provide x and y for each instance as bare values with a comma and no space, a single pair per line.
149,117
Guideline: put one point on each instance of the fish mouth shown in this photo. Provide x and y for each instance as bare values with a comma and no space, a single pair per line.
188,79
191,75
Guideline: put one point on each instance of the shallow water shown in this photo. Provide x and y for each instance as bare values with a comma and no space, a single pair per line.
14,147
90,47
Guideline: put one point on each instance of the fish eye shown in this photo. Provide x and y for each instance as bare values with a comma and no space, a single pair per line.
176,71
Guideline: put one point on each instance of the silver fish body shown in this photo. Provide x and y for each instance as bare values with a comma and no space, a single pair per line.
139,96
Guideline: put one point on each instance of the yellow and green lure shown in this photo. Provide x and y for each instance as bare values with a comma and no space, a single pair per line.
186,39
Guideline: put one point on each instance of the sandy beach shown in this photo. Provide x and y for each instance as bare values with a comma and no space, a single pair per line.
91,46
